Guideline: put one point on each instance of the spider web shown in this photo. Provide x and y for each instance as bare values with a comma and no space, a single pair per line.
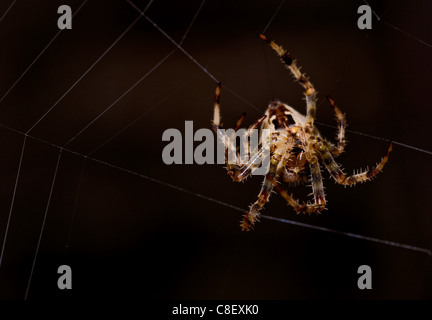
83,111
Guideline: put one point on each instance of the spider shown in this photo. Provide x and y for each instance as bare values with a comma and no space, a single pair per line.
297,149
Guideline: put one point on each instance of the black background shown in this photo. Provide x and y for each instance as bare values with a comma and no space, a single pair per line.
127,237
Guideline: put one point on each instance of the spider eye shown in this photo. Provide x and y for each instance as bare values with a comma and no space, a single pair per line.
275,123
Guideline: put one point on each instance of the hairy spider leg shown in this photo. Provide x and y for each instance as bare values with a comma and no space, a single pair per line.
281,146
236,170
289,198
216,111
315,178
362,176
301,78
317,186
340,117
310,93
250,217
239,170
239,122
294,203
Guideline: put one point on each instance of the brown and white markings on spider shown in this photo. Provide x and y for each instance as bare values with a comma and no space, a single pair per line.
296,148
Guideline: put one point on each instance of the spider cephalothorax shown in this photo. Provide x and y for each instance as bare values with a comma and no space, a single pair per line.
297,149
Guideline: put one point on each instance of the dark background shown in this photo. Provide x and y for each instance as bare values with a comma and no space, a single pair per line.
126,236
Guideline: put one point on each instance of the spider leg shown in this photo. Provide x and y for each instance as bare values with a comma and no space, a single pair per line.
276,160
240,172
341,178
216,110
330,146
250,217
242,168
317,186
218,125
239,169
299,77
289,198
340,117
294,203
217,116
239,121
317,189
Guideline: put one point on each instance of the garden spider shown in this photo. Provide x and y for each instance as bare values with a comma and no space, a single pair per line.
296,148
